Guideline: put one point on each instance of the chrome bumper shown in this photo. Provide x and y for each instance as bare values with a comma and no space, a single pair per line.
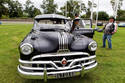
27,70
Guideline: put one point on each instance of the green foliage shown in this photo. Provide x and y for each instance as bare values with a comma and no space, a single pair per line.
121,15
60,13
88,9
10,8
30,10
15,9
101,15
36,11
5,17
88,12
3,9
113,4
71,7
49,7
83,16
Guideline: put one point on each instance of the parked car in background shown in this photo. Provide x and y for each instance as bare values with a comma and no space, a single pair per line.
50,51
100,24
121,24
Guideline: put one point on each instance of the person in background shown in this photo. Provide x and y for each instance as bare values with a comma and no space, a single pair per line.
77,23
109,29
76,15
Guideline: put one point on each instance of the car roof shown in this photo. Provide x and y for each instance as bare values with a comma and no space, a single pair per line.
51,16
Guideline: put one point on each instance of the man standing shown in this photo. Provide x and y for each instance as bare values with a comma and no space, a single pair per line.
109,30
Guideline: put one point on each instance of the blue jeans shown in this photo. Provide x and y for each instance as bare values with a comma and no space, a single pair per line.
108,37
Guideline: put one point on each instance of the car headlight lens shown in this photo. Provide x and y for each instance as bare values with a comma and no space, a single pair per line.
26,49
92,46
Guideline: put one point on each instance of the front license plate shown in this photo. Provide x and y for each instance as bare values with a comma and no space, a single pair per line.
64,75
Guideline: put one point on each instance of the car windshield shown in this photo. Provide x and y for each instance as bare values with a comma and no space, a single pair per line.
53,24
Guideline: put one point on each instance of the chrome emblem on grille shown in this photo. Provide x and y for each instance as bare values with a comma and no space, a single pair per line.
64,61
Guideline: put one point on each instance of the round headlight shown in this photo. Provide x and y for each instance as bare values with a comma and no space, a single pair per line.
26,48
92,46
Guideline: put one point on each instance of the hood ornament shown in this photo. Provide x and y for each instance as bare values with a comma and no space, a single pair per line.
64,62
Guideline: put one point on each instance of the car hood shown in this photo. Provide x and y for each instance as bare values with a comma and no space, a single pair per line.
47,41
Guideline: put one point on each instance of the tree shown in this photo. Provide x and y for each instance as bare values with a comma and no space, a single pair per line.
15,9
30,10
88,11
113,4
3,8
121,15
102,15
36,11
49,7
71,7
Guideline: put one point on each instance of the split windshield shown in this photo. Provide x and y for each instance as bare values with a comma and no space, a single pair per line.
63,22
51,21
53,24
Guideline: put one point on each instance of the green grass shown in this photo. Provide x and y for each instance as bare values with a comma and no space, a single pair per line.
111,63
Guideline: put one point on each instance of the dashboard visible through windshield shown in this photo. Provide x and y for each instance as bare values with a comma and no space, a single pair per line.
51,21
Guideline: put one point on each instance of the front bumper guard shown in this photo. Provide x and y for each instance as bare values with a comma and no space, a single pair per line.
69,71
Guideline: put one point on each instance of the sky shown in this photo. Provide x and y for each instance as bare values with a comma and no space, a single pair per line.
104,5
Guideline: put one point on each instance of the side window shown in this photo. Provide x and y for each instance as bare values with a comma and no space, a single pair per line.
88,23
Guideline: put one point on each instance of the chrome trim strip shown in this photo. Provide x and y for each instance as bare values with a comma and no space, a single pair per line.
37,62
58,55
40,68
53,73
35,68
63,41
65,36
41,74
29,73
81,59
88,63
52,63
89,67
60,68
60,61
67,42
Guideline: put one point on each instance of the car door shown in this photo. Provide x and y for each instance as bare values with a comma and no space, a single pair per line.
87,30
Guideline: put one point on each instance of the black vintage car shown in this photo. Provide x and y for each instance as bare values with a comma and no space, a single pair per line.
50,51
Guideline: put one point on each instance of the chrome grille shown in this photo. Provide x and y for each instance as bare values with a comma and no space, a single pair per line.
55,67
57,59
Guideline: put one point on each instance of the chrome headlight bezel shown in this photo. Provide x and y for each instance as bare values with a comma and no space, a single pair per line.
92,46
26,47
